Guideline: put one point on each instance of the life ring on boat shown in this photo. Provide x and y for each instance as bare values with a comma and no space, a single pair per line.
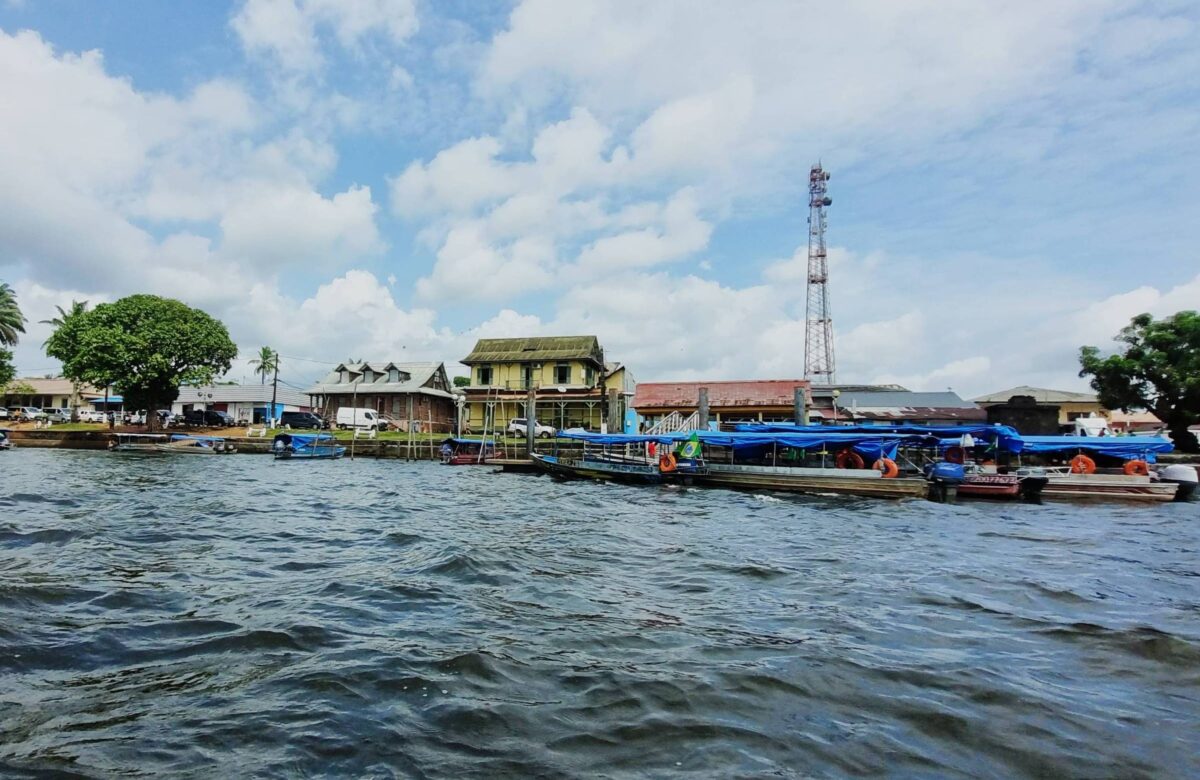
1139,468
1082,464
849,459
955,454
666,464
888,467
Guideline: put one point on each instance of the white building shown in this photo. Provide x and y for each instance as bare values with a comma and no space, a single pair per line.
247,403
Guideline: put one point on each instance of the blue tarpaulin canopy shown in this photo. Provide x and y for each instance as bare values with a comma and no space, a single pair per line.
869,446
1127,447
608,439
452,440
1003,435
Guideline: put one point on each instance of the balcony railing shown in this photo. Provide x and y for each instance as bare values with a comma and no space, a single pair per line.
520,384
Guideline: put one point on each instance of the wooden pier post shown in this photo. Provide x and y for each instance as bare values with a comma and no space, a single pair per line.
531,420
800,407
614,412
702,410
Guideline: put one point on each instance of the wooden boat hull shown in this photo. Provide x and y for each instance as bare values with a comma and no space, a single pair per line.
854,482
1003,487
1108,487
325,453
607,471
466,460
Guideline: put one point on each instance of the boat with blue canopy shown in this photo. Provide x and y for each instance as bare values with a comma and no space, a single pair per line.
1110,467
638,459
467,452
809,460
306,446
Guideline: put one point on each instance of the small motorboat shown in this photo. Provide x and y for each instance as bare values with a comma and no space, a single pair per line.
5,440
306,446
187,444
467,452
144,443
949,480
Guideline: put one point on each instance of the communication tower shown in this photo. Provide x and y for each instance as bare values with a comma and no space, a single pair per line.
819,367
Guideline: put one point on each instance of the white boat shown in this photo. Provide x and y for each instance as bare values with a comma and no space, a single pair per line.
179,444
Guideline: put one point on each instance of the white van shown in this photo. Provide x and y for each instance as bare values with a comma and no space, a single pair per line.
349,417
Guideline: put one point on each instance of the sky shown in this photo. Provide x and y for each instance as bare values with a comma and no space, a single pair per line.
393,179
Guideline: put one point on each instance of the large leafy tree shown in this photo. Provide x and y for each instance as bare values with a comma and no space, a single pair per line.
12,322
265,362
1156,368
7,372
77,308
145,347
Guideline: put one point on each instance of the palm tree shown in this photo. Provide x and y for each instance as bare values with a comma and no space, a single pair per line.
266,362
12,321
77,308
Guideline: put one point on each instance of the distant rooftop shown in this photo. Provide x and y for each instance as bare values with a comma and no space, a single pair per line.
1041,395
724,393
541,348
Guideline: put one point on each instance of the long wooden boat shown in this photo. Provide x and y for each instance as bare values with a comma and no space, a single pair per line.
799,479
613,470
1122,487
185,444
1010,487
297,446
145,443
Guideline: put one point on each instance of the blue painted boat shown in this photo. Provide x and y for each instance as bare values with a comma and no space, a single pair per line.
306,446
623,458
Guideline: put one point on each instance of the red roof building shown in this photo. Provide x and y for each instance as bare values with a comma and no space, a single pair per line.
769,400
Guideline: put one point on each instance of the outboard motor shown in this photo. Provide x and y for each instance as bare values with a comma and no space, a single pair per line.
944,479
1182,475
281,445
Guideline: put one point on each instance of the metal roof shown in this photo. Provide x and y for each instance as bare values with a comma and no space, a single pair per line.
1041,395
908,406
420,376
541,348
725,393
55,386
233,394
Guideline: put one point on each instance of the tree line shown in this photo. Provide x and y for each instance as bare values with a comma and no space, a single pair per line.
146,347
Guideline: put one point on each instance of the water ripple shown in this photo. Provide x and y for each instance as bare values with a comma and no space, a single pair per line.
223,617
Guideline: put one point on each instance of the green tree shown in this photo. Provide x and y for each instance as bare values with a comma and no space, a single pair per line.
145,347
77,308
12,322
266,362
462,381
1157,368
7,372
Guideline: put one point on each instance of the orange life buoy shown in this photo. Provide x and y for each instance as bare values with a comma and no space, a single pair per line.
955,454
888,467
849,459
1138,468
1082,464
666,464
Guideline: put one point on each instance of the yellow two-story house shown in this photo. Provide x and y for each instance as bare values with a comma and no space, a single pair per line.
567,373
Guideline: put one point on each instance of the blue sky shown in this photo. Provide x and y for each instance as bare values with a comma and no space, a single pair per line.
393,179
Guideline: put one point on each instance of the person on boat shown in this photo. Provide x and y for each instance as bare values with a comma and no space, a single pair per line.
446,451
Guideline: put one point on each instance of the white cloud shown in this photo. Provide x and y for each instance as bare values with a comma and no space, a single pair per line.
287,30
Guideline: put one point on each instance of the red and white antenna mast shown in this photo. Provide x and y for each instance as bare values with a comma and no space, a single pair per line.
819,367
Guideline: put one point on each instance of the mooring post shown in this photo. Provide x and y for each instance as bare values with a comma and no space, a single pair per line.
531,420
702,410
800,406
614,411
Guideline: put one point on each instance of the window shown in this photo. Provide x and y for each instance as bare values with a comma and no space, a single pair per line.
526,376
393,375
589,376
562,374
485,375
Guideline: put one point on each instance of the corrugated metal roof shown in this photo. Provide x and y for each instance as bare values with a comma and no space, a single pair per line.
420,375
1041,395
539,348
233,394
945,400
55,386
752,392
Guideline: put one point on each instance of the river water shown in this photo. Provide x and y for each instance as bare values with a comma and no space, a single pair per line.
234,616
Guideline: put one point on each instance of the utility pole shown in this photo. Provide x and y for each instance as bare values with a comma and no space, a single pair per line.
274,391
531,419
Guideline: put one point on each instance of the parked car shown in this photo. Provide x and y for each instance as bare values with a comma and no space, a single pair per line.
302,420
91,416
518,426
26,413
3,413
58,415
208,417
348,417
166,418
